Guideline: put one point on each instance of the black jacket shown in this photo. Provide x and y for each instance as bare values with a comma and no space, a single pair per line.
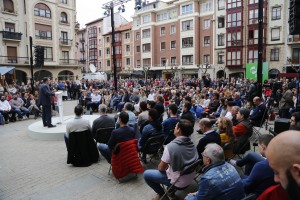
82,149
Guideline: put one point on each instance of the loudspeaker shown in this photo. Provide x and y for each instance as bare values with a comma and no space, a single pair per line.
281,124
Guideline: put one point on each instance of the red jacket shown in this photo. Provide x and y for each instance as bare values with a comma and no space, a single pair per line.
274,192
125,159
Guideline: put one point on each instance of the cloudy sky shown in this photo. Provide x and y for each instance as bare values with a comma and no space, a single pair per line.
89,10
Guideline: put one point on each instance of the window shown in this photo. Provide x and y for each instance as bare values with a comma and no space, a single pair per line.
48,54
206,7
138,63
276,13
107,51
187,42
206,59
275,34
118,37
127,35
137,36
253,1
108,63
146,33
64,36
295,57
127,48
253,37
234,4
173,60
188,60
253,56
138,49
42,10
12,54
221,4
163,61
147,62
147,47
10,27
8,6
173,44
187,9
221,22
63,17
162,46
221,40
234,39
234,20
163,31
64,1
275,54
173,29
146,19
220,58
233,58
100,53
43,32
206,24
187,25
127,61
162,16
206,41
65,56
107,39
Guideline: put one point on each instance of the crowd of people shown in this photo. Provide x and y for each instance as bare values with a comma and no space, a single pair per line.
227,111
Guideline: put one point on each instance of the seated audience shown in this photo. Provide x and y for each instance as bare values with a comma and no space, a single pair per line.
170,123
95,101
177,154
225,130
33,107
6,111
143,116
258,174
103,121
259,113
219,180
295,121
186,113
122,134
17,105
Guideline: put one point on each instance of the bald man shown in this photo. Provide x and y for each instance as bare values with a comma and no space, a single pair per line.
284,158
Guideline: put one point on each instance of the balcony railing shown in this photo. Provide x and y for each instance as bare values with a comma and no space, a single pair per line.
7,35
187,63
82,61
82,40
68,61
9,11
65,42
294,39
82,50
187,45
14,59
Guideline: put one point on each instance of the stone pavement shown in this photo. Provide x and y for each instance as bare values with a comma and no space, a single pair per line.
37,170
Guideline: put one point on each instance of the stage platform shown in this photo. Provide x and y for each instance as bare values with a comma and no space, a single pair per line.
39,132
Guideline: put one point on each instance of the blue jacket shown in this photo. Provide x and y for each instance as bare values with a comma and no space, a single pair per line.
260,178
45,95
258,114
148,131
219,181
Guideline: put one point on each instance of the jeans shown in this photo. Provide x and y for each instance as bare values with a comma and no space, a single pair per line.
154,178
105,151
249,161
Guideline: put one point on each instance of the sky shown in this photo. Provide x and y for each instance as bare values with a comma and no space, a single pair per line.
89,10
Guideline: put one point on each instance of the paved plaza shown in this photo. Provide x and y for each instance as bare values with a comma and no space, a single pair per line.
38,170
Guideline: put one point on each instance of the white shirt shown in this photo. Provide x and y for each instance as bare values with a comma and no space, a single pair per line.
4,105
96,98
206,102
151,97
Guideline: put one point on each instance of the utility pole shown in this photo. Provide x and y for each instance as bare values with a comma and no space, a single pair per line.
260,47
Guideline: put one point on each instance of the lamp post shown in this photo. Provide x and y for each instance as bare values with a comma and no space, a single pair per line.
109,7
146,69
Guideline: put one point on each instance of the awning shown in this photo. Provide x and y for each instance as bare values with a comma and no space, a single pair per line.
288,75
137,73
5,69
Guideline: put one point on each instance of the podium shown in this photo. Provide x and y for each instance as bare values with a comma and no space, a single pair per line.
59,103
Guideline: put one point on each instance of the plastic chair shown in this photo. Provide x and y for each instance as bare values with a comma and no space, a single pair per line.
152,147
188,169
103,134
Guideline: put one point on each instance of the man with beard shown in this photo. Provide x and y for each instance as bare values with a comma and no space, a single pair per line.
284,159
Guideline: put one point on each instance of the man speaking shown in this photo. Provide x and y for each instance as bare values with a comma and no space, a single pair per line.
45,101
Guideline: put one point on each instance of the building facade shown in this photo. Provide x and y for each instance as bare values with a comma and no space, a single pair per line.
51,24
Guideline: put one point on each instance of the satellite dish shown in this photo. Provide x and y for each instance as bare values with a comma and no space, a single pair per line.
92,68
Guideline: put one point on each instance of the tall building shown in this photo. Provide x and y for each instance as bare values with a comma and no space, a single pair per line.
52,24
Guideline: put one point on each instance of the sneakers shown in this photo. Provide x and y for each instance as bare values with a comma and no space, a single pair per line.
232,162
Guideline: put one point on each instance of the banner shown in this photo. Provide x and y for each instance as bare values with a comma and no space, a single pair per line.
251,71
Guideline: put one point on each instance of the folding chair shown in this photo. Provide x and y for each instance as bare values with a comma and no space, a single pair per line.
188,169
152,147
103,134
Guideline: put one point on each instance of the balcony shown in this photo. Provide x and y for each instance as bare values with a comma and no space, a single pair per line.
12,36
82,50
14,59
294,39
82,61
68,61
187,45
65,42
82,40
8,11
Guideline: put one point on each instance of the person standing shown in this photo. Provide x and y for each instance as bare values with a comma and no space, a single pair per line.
45,101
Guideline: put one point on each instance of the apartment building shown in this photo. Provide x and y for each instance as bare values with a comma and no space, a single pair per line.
52,24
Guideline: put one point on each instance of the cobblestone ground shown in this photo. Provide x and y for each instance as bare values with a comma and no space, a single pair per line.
32,169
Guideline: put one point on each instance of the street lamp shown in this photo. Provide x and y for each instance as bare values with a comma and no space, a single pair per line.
109,7
146,69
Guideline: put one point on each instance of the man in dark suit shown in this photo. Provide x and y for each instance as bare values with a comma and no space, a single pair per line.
45,101
210,135
257,117
104,121
159,106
